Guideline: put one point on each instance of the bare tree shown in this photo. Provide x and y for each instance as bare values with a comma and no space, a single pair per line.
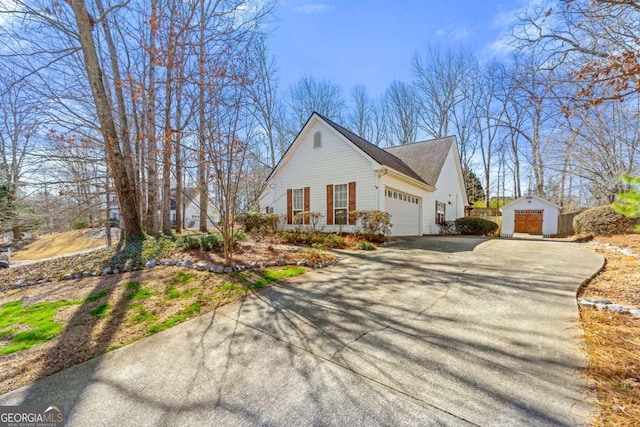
597,39
402,113
309,95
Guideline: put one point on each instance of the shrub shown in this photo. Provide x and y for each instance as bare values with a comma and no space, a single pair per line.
603,220
79,223
475,226
308,218
314,239
365,246
204,242
447,227
373,223
258,222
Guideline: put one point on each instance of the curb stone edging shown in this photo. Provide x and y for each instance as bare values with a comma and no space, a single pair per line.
188,264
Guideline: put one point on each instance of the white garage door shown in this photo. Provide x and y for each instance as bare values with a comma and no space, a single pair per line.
405,213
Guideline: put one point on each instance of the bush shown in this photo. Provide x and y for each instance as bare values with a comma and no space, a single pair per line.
314,239
475,226
366,246
447,227
204,242
373,223
258,222
79,223
603,220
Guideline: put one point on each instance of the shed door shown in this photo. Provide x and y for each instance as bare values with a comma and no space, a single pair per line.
529,221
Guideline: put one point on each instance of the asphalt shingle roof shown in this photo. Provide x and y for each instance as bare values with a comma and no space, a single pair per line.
422,161
376,153
425,158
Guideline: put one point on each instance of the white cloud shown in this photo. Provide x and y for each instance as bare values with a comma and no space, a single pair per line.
440,32
310,8
460,33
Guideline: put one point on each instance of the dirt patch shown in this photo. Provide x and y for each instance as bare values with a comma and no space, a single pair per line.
613,339
61,243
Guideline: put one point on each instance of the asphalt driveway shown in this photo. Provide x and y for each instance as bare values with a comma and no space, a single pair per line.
433,331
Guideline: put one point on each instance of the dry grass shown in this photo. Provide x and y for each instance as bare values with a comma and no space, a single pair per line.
58,244
613,345
613,340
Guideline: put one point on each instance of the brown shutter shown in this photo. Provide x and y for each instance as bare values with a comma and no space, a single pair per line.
266,209
329,204
352,202
289,206
307,203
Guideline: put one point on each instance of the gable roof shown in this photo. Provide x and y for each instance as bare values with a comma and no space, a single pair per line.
426,158
381,156
531,197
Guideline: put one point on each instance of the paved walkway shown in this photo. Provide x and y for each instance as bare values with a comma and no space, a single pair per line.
432,331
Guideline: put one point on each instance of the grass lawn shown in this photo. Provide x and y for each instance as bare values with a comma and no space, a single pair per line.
47,328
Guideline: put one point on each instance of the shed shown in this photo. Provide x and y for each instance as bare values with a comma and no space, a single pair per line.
531,215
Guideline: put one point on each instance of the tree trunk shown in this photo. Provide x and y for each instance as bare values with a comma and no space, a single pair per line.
123,182
152,145
202,170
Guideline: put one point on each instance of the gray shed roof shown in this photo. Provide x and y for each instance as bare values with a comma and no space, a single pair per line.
425,158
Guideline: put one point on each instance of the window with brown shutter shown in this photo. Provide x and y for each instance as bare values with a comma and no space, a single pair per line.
330,204
289,206
352,202
307,204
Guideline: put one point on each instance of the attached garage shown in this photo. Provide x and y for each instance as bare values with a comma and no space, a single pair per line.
530,215
405,213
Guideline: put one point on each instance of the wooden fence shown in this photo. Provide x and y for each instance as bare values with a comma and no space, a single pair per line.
565,222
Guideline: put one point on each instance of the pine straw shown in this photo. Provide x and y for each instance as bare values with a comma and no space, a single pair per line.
613,340
613,348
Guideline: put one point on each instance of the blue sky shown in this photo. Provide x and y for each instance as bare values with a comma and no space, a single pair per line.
372,41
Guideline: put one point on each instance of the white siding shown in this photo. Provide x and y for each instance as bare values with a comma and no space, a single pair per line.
449,190
549,216
336,162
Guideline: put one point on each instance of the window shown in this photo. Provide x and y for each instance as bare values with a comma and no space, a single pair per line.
317,140
340,204
298,203
441,217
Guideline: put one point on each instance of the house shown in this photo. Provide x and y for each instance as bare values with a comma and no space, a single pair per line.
191,209
530,214
331,170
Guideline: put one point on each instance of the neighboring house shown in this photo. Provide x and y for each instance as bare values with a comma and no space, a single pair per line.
530,214
191,209
331,170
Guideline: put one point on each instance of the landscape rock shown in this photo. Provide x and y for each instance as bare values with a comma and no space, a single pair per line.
172,262
228,270
151,263
67,277
106,271
200,267
76,276
31,282
280,262
3,289
116,271
18,285
187,263
218,268
617,308
86,274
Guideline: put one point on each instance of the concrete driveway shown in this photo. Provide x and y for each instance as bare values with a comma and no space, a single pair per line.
432,331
